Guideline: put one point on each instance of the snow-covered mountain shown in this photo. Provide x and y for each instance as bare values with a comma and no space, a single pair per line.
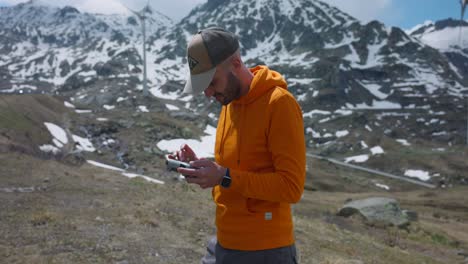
444,35
44,48
448,36
360,86
330,59
321,49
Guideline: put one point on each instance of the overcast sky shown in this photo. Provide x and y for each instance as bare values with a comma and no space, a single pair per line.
402,13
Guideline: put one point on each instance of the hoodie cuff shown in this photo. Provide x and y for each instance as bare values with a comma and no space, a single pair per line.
236,183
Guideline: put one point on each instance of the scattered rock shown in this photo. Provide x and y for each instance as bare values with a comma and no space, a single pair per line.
411,215
186,132
463,253
376,210
19,189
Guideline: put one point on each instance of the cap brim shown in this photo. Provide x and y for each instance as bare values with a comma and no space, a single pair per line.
197,83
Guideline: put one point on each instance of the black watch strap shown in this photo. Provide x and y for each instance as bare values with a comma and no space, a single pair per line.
226,182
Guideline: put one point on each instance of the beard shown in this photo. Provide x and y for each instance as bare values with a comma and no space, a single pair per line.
232,90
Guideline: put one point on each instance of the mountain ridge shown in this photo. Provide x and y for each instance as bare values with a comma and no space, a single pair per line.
300,31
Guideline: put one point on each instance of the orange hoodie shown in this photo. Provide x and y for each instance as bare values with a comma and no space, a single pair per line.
260,138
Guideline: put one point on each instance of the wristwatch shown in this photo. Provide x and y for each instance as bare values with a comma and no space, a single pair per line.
226,182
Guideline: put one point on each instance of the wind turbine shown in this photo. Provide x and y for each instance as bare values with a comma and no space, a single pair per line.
142,17
463,4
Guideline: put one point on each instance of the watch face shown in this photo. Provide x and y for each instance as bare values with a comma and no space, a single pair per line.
226,182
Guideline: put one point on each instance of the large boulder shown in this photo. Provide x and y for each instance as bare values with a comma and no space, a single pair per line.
376,210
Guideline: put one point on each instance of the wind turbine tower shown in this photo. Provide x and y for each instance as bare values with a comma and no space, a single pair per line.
142,17
463,4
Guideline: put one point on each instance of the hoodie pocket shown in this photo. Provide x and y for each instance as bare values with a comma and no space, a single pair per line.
256,206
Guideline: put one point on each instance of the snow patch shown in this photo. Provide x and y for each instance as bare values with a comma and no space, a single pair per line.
109,107
383,186
422,175
341,133
49,149
105,166
149,179
404,142
83,144
377,150
203,147
143,108
68,104
172,107
364,145
376,105
357,159
57,132
83,111
316,112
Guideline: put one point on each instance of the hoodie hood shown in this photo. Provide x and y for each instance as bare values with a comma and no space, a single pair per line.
263,81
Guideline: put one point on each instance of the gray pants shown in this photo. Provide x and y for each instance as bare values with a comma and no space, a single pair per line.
216,254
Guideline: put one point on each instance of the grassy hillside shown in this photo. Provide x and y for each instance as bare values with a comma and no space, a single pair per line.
22,121
92,215
54,211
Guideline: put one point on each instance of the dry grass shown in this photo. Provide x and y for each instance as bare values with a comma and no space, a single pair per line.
88,214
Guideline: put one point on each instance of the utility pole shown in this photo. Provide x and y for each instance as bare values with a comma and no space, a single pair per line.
142,17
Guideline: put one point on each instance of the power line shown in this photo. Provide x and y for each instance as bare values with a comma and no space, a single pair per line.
385,174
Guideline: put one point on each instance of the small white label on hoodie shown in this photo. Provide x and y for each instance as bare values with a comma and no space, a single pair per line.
268,216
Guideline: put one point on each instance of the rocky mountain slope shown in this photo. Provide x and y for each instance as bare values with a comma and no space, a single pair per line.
367,91
325,52
46,49
448,36
315,45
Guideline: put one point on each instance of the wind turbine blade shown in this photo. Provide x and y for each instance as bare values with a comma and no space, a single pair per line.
465,2
131,10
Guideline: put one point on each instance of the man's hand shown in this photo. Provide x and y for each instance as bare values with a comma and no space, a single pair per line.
205,173
185,154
